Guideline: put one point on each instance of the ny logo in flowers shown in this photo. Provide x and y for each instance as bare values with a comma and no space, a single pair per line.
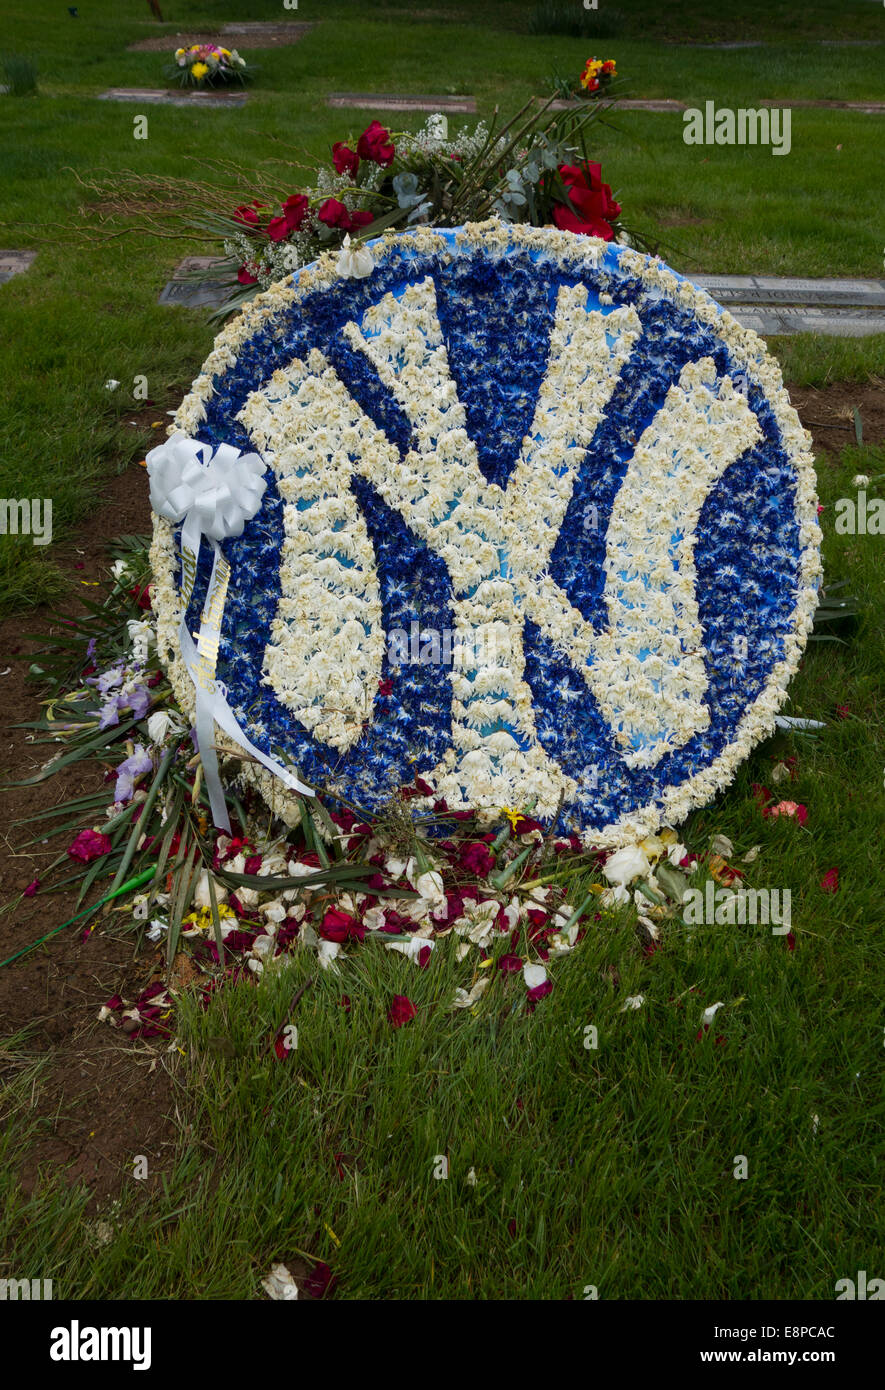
438,434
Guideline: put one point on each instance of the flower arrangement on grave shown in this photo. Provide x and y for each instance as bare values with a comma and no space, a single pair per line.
538,174
208,65
597,78
524,437
535,169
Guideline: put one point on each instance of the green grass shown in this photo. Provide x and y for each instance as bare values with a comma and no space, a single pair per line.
617,1168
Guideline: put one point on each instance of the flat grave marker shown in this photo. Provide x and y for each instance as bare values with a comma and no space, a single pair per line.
178,97
393,101
194,294
15,263
767,289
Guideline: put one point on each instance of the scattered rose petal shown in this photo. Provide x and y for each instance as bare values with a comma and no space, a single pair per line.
401,1011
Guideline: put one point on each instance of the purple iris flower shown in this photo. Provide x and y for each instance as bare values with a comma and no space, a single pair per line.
129,771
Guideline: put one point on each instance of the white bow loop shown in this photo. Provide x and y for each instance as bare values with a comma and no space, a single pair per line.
223,491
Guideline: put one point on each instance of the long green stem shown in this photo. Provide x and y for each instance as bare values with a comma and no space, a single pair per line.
137,882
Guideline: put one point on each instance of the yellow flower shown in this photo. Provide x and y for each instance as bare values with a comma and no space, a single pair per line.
512,815
199,70
179,52
201,919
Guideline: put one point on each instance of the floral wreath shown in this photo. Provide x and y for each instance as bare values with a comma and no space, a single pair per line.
614,520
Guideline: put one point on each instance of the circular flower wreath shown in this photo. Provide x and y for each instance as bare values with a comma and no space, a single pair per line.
540,531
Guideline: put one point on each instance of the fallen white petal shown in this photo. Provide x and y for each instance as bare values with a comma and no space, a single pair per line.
280,1284
633,1001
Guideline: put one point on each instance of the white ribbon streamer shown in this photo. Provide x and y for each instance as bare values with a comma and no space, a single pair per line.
215,497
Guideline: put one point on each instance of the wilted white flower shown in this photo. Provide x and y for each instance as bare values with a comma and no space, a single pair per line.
412,948
709,1014
861,480
280,1284
161,724
633,1001
465,999
625,865
533,975
326,953
614,897
141,635
355,262
430,886
201,894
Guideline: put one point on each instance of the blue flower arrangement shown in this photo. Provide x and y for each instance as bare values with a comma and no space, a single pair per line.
547,440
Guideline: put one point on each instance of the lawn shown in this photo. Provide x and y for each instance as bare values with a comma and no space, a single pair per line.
612,1167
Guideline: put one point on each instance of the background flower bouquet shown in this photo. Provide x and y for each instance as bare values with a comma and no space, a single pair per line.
207,64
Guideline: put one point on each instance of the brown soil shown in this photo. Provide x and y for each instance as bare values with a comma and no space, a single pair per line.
102,1099
828,412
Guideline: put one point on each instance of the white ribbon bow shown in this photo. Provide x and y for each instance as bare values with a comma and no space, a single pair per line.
220,493
214,496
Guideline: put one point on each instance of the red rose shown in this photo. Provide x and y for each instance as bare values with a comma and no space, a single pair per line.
829,883
360,218
345,159
320,1283
246,214
401,1010
591,207
374,144
335,214
525,825
295,210
32,888
338,926
142,595
245,277
293,214
476,859
539,991
89,845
